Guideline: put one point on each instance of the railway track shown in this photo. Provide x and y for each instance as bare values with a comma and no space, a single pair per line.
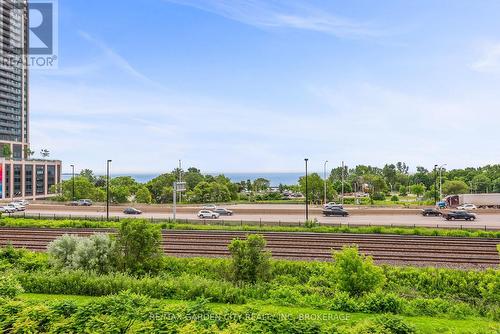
393,249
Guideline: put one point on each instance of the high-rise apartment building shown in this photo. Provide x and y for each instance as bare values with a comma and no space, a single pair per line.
21,176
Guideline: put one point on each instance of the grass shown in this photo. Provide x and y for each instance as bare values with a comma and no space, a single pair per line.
217,226
423,325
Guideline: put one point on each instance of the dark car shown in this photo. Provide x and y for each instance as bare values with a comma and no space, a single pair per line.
223,212
132,211
335,211
431,212
459,215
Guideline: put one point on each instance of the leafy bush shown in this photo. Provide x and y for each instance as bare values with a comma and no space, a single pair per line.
382,303
355,273
9,287
394,198
378,197
138,246
250,261
94,253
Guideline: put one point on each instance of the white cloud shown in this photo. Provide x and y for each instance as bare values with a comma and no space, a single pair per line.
284,14
490,59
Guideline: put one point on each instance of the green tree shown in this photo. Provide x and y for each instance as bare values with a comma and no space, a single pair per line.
250,263
161,188
261,184
125,181
143,195
316,188
192,177
119,194
418,189
455,187
6,151
355,273
403,190
482,183
88,174
83,189
138,247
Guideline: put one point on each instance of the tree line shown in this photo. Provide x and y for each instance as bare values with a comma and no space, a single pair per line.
378,182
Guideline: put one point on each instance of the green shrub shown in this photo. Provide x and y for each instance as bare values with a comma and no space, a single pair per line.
378,197
138,244
382,303
9,287
394,198
395,325
94,253
355,273
342,301
250,263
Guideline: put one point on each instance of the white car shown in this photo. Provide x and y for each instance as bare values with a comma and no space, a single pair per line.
16,206
209,207
204,214
330,204
7,209
21,202
467,207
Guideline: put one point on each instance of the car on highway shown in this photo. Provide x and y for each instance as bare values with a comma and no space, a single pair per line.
335,211
7,209
431,212
204,214
467,207
81,202
16,206
329,204
334,206
21,202
459,215
223,212
210,207
132,211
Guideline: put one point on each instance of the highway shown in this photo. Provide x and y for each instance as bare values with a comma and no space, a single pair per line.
284,214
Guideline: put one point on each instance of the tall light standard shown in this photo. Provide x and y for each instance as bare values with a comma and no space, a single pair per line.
435,183
441,182
307,193
107,189
324,181
73,180
342,183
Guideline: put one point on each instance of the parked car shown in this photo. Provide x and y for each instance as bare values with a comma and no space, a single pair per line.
7,209
431,212
223,212
459,215
204,214
210,207
467,207
132,211
16,206
335,211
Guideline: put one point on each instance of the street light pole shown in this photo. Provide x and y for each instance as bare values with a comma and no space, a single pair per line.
307,194
435,183
107,189
73,180
441,182
342,183
324,181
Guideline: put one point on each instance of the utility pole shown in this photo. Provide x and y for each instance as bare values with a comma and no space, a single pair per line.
441,182
307,194
324,181
435,183
180,179
73,180
342,199
107,189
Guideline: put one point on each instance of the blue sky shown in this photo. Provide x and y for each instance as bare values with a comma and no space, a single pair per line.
237,86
